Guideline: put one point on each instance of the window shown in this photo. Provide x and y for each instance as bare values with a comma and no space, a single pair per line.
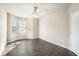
21,25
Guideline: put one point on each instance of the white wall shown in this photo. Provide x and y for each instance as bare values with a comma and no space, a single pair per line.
74,28
35,28
73,7
54,26
3,28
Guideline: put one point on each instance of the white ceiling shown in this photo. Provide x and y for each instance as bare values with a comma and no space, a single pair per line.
46,6
26,9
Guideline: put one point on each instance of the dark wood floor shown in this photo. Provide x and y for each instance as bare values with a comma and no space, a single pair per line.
38,47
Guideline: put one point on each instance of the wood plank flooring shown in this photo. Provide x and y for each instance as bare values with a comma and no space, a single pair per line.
39,47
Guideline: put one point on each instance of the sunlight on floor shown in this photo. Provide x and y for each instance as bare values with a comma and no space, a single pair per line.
10,47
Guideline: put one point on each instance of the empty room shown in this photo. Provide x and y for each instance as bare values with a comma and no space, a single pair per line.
39,29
